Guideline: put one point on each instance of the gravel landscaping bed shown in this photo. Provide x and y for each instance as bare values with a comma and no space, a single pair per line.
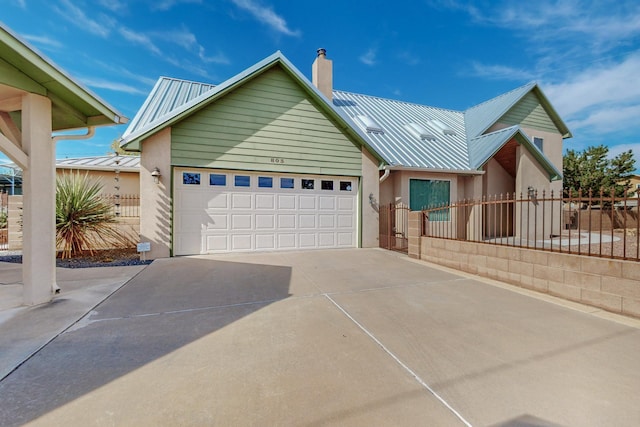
102,258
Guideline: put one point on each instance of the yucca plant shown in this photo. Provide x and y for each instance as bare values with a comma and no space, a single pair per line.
83,218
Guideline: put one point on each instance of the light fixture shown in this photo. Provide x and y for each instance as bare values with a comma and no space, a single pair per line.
156,175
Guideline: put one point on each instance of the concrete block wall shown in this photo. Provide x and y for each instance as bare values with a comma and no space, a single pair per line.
613,285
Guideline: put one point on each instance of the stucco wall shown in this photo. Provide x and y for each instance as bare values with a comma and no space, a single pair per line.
129,181
370,187
155,209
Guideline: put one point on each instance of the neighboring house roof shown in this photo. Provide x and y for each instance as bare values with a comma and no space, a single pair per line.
104,163
400,134
100,163
73,106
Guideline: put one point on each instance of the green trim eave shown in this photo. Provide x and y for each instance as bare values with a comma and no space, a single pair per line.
33,73
522,139
555,117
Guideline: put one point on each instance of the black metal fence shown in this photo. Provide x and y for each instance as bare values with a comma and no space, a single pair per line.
124,205
590,224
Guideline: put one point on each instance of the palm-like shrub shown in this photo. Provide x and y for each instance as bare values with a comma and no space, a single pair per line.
84,219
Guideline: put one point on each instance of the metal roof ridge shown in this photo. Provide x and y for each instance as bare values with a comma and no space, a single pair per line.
400,101
531,84
513,128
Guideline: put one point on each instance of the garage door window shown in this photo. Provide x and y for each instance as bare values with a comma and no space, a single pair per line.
217,179
345,185
327,185
242,181
190,178
308,184
286,182
265,182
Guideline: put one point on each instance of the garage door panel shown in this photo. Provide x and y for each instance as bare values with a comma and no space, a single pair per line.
241,242
241,222
326,221
265,241
241,201
265,222
327,203
307,240
218,243
218,222
286,201
287,221
265,201
307,221
307,202
345,239
217,201
346,203
287,241
266,212
326,240
345,221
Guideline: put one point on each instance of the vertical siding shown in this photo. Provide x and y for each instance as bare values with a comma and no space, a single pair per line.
528,112
268,124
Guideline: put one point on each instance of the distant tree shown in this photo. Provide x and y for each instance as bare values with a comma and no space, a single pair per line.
115,148
593,170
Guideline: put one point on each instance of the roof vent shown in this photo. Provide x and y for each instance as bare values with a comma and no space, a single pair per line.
368,124
446,130
420,132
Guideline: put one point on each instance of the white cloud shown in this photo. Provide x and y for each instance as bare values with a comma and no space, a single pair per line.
139,39
501,72
409,58
117,6
42,41
168,4
112,85
369,57
76,16
188,41
610,85
21,3
267,16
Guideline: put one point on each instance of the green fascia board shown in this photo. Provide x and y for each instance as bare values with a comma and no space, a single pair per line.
132,142
517,133
33,72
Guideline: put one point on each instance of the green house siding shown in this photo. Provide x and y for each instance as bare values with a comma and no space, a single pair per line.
268,124
528,112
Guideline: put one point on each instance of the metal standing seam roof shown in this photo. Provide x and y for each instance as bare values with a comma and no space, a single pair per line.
396,144
167,95
480,117
109,163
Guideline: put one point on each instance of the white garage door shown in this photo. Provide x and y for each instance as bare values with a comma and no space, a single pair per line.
226,211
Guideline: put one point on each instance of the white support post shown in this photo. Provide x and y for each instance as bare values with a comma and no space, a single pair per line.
39,227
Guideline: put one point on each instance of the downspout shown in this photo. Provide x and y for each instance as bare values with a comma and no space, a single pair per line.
384,176
91,130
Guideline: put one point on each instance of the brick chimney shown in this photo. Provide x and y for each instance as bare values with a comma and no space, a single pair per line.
322,73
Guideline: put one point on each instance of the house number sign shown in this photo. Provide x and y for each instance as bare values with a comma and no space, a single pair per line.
277,160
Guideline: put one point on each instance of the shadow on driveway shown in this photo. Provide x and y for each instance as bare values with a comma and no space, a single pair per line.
172,303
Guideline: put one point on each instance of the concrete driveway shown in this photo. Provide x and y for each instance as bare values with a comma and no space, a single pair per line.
344,337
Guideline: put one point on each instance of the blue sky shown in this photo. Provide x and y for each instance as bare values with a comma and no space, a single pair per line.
444,53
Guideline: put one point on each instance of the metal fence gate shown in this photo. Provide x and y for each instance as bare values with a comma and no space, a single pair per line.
394,225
